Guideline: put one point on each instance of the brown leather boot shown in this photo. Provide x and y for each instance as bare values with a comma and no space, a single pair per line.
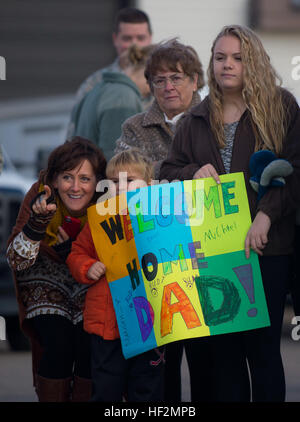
82,389
53,390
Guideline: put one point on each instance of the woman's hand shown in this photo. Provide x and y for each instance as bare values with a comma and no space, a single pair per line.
207,170
40,206
41,214
96,271
257,236
62,236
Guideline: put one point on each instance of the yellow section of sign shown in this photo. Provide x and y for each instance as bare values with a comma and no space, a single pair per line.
114,242
225,209
175,303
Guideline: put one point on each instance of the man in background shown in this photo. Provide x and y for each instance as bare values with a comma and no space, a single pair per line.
132,26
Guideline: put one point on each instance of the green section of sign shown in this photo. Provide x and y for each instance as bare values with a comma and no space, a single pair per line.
231,293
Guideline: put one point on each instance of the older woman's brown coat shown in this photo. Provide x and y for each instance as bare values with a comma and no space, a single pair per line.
149,132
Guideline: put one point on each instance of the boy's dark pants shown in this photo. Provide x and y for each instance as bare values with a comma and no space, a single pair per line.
138,379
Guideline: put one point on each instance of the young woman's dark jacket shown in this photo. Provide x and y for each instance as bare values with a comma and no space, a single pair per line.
194,145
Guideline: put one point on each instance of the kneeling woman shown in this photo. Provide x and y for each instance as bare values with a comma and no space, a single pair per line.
50,300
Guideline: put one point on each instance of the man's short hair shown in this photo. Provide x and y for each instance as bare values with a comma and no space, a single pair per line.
131,15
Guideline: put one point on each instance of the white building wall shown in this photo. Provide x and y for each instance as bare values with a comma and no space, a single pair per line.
197,22
282,48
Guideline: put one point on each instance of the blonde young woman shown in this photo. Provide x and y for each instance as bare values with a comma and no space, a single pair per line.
246,111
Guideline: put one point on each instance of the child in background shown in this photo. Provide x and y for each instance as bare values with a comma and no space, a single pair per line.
139,378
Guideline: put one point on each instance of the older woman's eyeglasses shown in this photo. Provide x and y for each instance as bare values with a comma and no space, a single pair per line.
176,80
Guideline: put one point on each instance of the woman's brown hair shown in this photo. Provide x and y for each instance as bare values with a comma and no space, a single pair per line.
70,154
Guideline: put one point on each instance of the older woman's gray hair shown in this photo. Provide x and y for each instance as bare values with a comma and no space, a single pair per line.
168,55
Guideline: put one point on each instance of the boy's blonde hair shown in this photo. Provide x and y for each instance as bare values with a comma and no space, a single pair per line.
131,158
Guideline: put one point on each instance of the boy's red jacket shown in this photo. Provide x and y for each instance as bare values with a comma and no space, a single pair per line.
99,315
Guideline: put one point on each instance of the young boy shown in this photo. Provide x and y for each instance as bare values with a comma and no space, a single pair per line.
139,378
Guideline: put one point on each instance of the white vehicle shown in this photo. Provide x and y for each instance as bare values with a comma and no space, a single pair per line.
31,128
10,177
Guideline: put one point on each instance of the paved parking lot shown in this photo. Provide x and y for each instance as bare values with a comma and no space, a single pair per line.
16,378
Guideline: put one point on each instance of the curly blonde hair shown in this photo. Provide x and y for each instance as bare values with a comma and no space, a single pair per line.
260,92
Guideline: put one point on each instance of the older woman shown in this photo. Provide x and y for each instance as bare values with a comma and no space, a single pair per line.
174,74
50,300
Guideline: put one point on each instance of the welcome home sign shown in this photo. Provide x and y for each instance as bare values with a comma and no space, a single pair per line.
175,261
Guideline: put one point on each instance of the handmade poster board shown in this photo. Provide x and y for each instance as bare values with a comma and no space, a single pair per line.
175,260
